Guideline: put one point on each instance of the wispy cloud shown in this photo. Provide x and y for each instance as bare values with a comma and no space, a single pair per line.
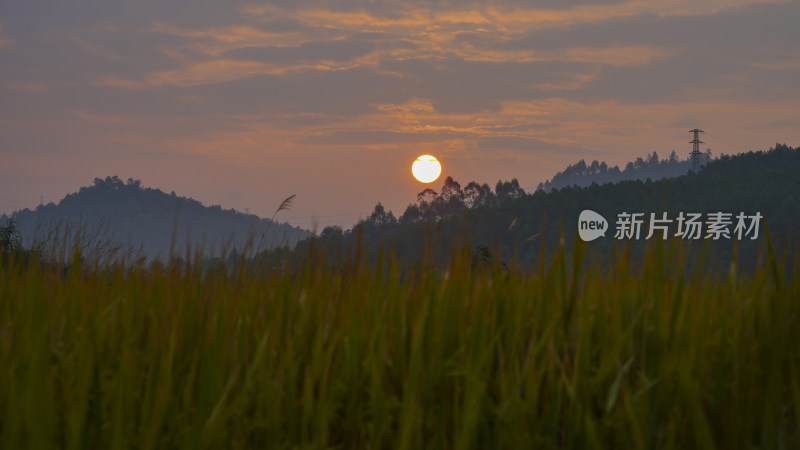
208,72
235,52
215,72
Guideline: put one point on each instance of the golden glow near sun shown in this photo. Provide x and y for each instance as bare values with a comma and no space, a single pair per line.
426,168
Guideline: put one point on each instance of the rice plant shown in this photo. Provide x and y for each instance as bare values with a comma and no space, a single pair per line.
573,354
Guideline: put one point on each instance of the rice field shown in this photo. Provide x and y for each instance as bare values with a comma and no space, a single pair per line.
575,354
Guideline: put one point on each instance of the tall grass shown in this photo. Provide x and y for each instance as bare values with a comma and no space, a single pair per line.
571,355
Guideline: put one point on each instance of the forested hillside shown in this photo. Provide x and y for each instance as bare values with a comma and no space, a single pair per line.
581,174
510,221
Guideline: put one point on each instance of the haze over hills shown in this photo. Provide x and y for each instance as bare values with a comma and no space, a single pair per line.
581,174
149,221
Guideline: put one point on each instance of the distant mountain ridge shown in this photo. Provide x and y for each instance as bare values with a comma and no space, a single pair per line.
581,174
150,222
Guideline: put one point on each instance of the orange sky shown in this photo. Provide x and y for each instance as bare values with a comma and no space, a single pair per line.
245,104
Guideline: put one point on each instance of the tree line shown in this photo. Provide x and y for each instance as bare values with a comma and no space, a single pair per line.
582,174
510,221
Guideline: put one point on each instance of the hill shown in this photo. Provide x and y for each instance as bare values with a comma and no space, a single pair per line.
581,174
124,215
514,222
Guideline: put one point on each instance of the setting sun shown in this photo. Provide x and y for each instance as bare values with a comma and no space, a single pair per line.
426,168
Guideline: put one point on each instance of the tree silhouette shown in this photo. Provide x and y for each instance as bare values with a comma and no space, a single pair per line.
9,238
451,190
476,195
427,196
510,189
379,216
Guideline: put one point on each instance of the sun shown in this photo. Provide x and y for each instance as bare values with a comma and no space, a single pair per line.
426,169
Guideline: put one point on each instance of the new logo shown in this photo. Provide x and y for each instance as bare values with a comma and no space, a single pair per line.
591,225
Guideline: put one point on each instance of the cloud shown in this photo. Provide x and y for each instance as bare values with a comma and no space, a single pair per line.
214,41
338,50
207,72
426,17
329,40
368,138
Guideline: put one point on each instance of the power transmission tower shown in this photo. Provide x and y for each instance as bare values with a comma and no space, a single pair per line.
696,156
